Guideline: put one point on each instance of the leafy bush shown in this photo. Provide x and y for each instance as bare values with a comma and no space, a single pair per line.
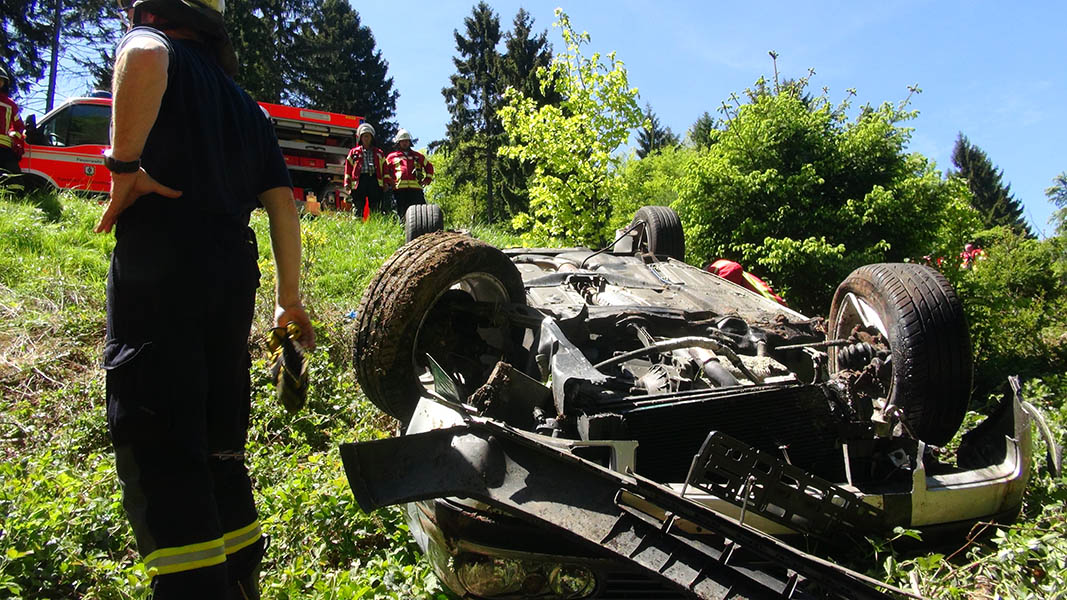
801,195
652,180
463,202
1016,307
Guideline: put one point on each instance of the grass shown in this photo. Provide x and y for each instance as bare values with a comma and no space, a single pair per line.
64,534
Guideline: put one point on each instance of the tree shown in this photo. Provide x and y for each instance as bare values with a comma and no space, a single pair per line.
525,53
704,132
652,137
801,196
473,98
572,145
269,37
1057,194
350,75
989,195
60,38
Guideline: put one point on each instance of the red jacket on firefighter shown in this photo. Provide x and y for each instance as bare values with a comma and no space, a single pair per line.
732,272
354,163
12,131
409,170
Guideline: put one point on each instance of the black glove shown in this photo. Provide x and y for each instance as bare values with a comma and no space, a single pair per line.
290,370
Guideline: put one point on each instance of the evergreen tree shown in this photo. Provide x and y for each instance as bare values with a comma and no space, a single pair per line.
652,136
524,54
703,133
46,40
349,75
989,195
474,97
270,38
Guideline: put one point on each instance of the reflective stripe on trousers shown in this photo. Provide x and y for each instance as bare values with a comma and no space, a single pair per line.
203,554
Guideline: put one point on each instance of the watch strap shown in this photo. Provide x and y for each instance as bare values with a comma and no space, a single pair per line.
120,166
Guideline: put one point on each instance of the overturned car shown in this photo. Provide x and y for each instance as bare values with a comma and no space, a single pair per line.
620,424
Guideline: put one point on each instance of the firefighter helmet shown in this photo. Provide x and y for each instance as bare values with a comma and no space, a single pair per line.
401,136
365,128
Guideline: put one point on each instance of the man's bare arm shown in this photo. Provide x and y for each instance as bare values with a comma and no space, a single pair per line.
137,89
285,242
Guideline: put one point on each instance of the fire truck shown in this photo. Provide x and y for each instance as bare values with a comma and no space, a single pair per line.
65,149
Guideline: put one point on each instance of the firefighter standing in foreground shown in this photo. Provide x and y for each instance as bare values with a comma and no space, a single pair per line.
192,156
12,141
409,172
366,176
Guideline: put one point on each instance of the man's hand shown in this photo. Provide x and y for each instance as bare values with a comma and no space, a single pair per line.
296,314
126,188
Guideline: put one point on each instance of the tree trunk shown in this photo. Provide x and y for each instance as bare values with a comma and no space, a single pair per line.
56,23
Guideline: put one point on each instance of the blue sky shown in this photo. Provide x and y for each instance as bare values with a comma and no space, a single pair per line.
992,70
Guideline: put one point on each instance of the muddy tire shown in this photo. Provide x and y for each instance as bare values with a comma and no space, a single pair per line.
393,333
663,231
421,219
922,319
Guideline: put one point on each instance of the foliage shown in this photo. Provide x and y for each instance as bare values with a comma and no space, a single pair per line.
461,199
990,196
652,137
1057,194
89,31
704,132
652,180
344,71
1016,306
572,146
801,195
474,133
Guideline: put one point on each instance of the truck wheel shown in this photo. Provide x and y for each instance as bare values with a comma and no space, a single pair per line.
423,301
663,231
918,313
421,219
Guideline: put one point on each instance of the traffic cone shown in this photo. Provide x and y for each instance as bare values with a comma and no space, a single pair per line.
366,209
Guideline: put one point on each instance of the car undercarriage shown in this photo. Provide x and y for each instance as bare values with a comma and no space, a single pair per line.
591,424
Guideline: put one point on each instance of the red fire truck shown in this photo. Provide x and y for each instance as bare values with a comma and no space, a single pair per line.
64,150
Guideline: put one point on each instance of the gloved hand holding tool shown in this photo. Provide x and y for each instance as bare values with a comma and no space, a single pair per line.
289,372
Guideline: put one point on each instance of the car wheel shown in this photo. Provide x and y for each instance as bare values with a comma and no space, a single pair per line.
918,313
663,231
421,219
415,305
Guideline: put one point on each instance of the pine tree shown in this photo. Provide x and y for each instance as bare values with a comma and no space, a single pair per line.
989,195
270,38
525,53
703,132
349,74
34,48
653,136
474,97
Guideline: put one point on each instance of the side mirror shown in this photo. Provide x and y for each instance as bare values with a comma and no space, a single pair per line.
32,135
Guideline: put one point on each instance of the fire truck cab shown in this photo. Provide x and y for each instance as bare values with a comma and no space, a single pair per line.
64,150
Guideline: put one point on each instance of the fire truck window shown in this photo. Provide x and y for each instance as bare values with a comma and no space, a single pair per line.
89,124
53,132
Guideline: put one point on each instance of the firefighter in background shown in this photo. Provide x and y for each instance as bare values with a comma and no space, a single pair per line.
192,156
366,177
732,272
409,172
12,131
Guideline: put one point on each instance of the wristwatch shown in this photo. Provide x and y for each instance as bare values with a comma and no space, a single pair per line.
120,166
